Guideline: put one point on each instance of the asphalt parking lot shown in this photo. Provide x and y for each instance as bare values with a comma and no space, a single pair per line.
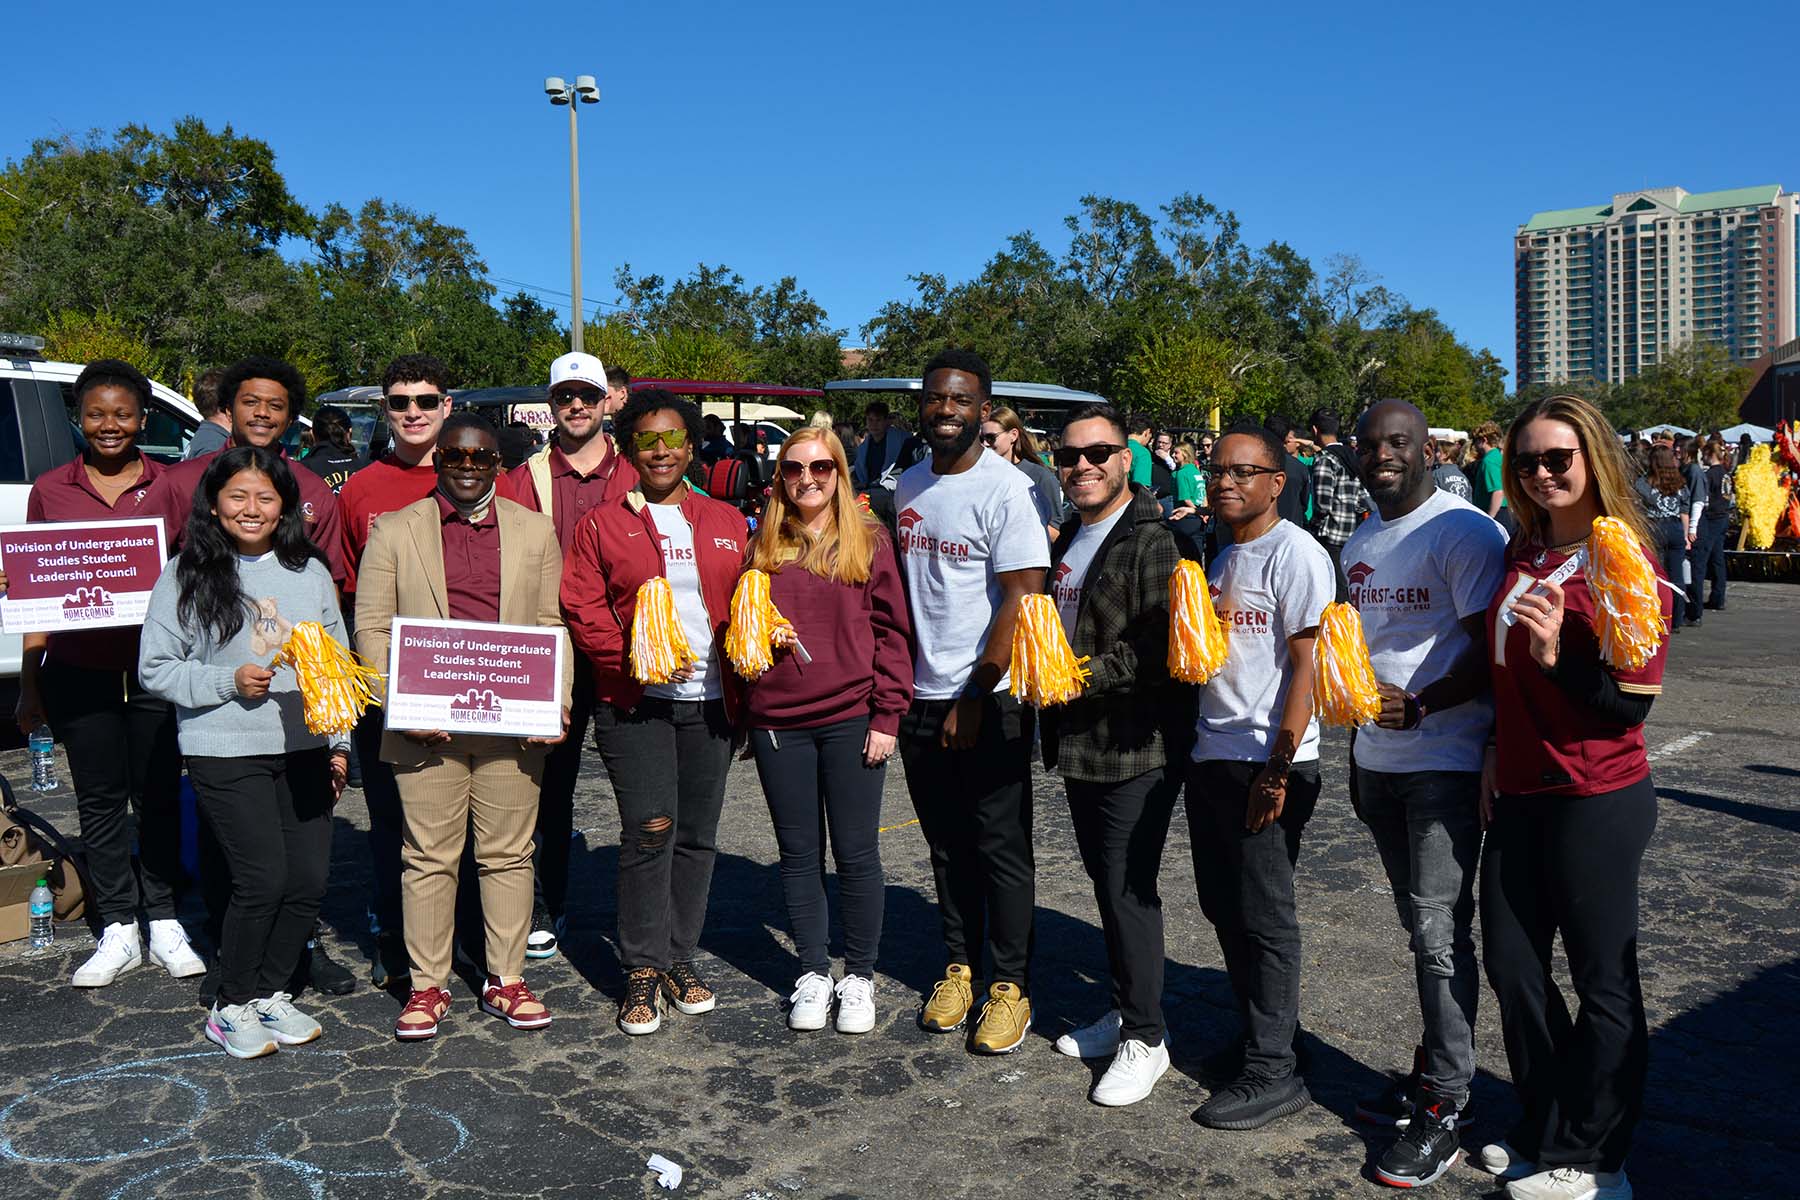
114,1093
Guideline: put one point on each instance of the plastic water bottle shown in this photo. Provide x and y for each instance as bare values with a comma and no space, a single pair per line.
43,916
43,760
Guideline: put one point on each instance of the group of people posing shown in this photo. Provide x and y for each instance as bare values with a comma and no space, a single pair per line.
1507,750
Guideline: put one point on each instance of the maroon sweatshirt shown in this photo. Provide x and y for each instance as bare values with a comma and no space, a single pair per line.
860,639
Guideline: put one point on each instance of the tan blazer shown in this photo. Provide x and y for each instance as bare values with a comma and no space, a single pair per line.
402,574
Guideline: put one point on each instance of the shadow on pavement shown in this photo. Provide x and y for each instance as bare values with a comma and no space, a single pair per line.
1781,818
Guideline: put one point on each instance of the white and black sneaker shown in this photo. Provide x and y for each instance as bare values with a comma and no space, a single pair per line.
545,933
1429,1146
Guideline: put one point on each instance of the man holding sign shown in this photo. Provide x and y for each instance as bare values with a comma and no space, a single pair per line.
463,554
82,679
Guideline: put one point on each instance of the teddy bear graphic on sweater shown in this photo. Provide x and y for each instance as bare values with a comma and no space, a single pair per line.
268,628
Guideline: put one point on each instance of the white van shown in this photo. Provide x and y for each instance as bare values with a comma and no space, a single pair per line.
38,432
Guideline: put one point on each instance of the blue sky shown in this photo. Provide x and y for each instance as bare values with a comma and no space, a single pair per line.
851,145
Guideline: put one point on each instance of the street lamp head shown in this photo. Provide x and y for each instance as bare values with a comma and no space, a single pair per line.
587,89
556,89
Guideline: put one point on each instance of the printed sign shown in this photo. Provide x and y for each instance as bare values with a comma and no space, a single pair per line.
67,575
470,677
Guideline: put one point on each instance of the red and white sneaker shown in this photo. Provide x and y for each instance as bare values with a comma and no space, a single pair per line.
515,1003
419,1019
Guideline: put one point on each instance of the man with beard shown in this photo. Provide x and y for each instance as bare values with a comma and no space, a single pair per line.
1114,744
971,547
1421,572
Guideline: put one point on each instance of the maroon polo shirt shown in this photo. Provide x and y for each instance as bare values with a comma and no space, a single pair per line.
66,493
471,564
573,495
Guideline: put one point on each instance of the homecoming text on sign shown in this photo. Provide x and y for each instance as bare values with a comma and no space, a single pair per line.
69,575
471,677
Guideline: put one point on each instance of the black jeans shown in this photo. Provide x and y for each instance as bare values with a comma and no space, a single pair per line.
1427,827
1569,865
271,814
974,808
122,757
382,796
556,797
1121,829
1708,558
667,760
814,780
1246,885
1672,550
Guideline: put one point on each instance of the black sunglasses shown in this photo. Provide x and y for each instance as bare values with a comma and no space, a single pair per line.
1099,454
568,396
481,458
427,403
988,439
1557,462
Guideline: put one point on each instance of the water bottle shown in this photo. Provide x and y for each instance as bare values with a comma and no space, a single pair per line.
43,927
43,760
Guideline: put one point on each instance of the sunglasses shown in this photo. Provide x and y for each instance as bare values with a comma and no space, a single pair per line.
818,468
988,439
646,439
588,396
427,403
481,458
1099,454
1242,472
1557,462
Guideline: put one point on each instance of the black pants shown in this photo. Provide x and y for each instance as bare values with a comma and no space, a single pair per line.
382,795
1121,829
1672,550
1246,885
1336,554
556,797
1569,865
974,807
122,757
1708,560
814,781
667,760
271,814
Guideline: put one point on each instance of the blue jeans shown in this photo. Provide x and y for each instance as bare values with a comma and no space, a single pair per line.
1428,831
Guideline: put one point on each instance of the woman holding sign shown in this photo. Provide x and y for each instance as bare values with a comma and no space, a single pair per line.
463,554
823,719
666,744
266,785
119,737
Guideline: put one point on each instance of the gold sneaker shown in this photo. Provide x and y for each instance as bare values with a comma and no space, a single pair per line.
1005,1019
951,999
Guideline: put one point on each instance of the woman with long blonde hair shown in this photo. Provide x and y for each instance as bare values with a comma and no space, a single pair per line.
1569,807
823,718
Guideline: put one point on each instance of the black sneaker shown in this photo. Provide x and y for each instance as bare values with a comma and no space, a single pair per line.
1227,1065
1253,1102
1393,1105
542,940
1429,1147
324,973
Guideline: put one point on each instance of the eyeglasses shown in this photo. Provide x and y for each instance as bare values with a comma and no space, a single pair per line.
988,439
568,396
1067,457
818,468
1557,462
481,458
427,403
1242,472
646,439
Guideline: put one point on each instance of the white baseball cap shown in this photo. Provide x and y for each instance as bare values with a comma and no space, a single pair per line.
584,368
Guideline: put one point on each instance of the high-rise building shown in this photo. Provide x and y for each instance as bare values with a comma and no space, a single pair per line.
1603,293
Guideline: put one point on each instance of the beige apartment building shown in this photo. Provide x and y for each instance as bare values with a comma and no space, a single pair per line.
1602,293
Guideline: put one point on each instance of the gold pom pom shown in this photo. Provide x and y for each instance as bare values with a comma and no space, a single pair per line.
659,646
754,620
1343,677
1628,618
337,684
1197,642
1045,670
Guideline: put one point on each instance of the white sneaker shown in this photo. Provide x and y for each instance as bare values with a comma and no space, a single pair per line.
169,950
1571,1183
1503,1162
119,952
1134,1071
239,1029
856,1004
285,1023
1092,1041
810,1005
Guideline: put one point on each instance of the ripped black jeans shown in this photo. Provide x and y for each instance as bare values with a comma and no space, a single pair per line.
1427,828
667,761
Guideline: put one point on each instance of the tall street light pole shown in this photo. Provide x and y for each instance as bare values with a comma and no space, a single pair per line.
583,92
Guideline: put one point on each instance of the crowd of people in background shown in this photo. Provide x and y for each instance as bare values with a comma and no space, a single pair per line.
1504,780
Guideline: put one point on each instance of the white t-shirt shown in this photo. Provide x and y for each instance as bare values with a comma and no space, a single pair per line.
1069,576
1413,580
957,535
684,580
1265,591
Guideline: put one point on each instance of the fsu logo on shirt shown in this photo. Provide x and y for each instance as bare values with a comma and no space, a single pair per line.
1365,595
672,553
915,541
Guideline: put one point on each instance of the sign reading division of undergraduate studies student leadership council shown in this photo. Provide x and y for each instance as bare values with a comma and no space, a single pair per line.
472,677
67,575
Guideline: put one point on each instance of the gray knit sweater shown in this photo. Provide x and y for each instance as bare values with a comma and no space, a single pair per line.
198,675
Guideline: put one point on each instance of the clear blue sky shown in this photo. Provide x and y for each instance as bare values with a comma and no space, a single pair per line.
853,144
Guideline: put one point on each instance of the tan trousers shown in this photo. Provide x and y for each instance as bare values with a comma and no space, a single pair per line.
495,782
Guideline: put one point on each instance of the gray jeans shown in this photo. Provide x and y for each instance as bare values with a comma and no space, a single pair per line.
1428,830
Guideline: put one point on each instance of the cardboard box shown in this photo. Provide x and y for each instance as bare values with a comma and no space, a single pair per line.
15,898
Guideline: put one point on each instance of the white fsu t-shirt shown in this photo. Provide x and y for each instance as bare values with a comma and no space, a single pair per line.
683,572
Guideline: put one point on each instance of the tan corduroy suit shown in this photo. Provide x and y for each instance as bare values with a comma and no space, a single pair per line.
492,779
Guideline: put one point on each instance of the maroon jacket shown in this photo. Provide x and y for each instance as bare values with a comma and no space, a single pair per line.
860,640
616,548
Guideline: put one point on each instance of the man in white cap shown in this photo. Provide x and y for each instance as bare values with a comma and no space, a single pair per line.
576,471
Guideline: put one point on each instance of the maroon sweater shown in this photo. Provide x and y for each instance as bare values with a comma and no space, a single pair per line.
860,639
